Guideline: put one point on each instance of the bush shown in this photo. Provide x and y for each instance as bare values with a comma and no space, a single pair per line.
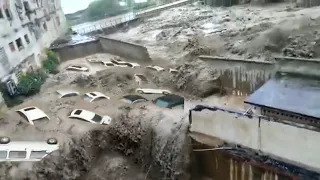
51,63
30,83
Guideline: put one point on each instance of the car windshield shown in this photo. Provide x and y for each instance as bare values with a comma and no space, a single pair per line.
86,98
97,118
162,103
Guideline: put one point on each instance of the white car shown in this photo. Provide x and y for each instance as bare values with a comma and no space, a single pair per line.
26,150
140,78
155,68
93,96
111,64
77,68
93,60
126,64
173,71
90,116
32,114
63,93
153,91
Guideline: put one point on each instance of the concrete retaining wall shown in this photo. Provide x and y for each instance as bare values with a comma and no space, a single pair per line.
127,50
223,165
75,51
290,143
239,76
307,67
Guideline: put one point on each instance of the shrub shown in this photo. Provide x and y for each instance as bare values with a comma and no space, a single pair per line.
51,63
30,83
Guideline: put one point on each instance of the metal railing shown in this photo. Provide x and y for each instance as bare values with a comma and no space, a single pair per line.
106,23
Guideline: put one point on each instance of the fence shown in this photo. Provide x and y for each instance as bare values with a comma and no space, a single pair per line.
105,23
114,21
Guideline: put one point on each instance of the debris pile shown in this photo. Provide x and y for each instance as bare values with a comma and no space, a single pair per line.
135,139
304,46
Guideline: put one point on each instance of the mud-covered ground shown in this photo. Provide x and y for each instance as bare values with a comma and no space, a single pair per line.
143,141
244,31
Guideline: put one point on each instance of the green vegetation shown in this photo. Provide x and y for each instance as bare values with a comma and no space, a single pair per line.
30,83
51,63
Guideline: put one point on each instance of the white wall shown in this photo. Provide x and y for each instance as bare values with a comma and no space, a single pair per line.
291,143
14,29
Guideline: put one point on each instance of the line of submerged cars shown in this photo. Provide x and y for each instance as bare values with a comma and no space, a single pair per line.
116,62
36,150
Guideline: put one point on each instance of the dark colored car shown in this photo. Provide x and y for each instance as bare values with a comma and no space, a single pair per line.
169,101
133,99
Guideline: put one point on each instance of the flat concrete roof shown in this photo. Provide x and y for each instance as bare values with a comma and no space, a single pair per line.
295,94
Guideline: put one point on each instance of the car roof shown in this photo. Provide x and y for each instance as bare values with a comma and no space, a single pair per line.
33,145
133,97
33,113
85,113
172,98
63,92
96,94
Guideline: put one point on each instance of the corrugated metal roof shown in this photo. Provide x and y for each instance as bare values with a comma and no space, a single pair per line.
289,93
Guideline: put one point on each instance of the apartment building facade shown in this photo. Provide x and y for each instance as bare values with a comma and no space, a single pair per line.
27,27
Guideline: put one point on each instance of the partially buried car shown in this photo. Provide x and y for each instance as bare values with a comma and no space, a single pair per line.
152,91
77,68
169,101
94,96
63,93
132,99
155,68
32,114
89,116
26,150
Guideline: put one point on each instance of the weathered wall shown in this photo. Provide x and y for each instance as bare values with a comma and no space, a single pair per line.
291,143
308,67
125,49
222,165
78,50
308,3
239,76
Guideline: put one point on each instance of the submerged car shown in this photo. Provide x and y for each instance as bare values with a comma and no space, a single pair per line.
63,93
26,150
77,68
152,91
125,64
156,68
169,101
90,117
91,60
173,71
140,78
133,99
94,96
32,114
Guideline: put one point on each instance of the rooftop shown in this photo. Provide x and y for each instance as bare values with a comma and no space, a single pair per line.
295,94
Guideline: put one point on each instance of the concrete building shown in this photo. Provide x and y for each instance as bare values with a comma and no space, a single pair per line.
27,27
277,137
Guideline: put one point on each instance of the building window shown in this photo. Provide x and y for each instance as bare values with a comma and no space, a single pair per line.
19,44
45,26
12,47
27,38
8,14
1,14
